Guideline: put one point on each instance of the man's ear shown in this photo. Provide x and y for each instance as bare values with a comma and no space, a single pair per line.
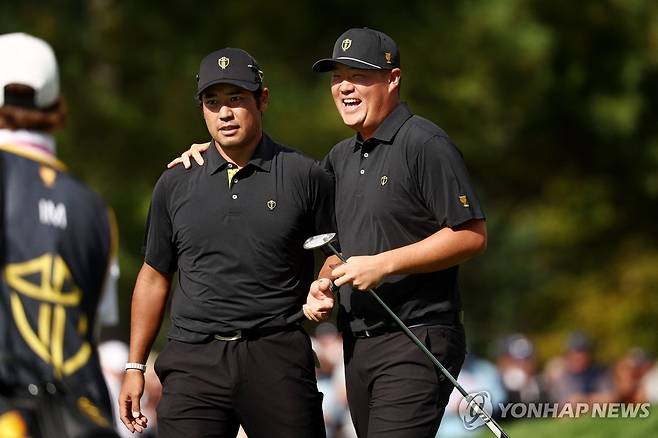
264,100
394,79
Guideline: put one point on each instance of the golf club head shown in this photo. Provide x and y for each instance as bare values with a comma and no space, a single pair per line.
319,240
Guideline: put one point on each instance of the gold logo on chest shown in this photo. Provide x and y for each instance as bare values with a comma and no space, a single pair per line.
271,204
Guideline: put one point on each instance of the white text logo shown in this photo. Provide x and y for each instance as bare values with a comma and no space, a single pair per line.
52,214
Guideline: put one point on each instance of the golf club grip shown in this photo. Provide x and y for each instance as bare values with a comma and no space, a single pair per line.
491,424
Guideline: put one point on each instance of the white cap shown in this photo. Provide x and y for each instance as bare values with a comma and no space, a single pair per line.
29,61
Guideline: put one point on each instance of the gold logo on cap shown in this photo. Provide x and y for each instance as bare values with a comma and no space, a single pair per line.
383,180
223,62
464,200
346,44
271,204
389,57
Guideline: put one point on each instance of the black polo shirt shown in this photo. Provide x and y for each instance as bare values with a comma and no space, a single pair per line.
238,250
400,186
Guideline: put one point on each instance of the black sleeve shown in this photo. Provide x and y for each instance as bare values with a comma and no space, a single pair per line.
159,248
444,183
321,188
327,165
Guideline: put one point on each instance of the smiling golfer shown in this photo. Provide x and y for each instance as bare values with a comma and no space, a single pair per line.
233,231
407,215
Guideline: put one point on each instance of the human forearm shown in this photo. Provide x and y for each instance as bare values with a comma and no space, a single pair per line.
147,308
320,299
445,248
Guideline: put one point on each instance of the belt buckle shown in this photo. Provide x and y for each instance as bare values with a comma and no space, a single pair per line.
235,337
367,333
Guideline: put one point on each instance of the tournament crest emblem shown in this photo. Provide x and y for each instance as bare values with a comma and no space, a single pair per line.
389,57
383,180
346,44
271,204
43,297
223,62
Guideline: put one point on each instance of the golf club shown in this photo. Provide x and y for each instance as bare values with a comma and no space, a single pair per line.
321,240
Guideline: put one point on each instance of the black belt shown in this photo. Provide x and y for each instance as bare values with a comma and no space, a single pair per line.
292,323
447,318
254,333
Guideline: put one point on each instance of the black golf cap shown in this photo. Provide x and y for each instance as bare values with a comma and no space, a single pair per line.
229,66
362,48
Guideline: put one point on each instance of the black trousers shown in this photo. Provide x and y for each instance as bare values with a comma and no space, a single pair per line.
266,384
393,389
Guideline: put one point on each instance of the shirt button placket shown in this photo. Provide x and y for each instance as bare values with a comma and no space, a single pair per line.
364,155
234,196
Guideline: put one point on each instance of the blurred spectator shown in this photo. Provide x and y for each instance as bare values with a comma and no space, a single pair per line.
518,367
649,385
327,344
113,357
575,377
476,375
627,375
152,395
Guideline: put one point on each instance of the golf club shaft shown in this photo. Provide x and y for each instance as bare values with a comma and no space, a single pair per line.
495,428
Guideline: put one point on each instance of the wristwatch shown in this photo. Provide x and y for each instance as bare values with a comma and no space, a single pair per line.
136,366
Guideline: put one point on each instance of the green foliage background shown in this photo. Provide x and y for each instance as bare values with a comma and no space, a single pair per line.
553,104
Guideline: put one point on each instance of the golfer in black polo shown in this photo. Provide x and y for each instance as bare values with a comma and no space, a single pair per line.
233,232
407,215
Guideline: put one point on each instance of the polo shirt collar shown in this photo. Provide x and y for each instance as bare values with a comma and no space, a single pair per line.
262,157
389,127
